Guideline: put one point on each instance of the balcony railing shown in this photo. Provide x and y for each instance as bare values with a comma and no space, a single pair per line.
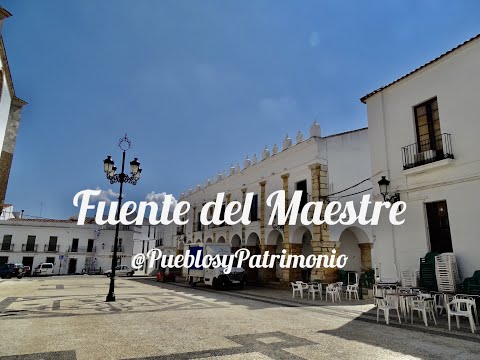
51,248
120,248
427,151
6,247
29,247
121,227
81,249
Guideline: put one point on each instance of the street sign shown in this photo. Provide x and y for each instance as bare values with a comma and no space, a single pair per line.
60,257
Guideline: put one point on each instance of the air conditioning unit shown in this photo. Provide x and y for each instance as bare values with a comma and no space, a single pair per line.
425,156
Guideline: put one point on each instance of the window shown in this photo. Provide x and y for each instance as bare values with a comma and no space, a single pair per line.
3,260
31,243
7,242
199,224
52,243
427,121
302,186
50,259
74,247
90,245
254,208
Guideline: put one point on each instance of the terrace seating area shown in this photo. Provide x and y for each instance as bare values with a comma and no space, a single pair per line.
428,305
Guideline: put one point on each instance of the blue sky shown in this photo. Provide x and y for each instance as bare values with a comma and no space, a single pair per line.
197,85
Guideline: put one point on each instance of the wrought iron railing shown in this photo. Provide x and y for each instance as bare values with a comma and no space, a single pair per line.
6,247
119,248
30,247
427,151
51,248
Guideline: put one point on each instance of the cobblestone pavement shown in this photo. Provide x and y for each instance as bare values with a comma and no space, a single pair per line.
66,318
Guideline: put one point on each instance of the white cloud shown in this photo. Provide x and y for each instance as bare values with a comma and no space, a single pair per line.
105,195
159,198
314,39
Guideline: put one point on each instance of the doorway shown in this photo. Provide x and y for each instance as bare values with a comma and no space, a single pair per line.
28,261
72,266
439,227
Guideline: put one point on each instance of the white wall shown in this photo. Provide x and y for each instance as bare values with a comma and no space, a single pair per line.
346,156
455,81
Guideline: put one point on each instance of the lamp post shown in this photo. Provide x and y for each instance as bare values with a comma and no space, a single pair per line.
110,171
383,183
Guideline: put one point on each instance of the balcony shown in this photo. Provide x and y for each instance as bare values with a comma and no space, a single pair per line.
81,249
120,227
51,248
6,247
120,248
29,247
427,151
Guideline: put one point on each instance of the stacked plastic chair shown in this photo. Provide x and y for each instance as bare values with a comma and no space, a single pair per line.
410,278
471,285
446,270
428,279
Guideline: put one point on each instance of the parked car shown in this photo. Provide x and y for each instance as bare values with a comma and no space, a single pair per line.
44,269
166,275
121,270
27,271
8,271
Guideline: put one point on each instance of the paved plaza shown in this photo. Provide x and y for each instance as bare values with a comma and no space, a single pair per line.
66,318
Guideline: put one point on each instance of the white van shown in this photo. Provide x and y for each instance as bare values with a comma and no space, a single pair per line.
44,269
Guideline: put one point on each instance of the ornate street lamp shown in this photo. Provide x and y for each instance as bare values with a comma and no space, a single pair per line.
110,171
383,184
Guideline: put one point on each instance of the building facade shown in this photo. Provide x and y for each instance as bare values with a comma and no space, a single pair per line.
10,115
72,248
423,134
325,168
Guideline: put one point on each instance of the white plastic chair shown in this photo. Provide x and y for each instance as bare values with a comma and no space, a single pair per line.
423,306
297,288
333,291
352,289
340,288
461,307
313,289
387,304
466,296
303,285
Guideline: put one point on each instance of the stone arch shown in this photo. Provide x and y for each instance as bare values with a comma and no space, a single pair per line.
253,240
235,242
209,240
221,240
301,244
275,239
355,244
198,241
273,236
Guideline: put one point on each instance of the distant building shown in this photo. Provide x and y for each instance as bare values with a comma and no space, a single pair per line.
423,133
335,167
72,248
10,114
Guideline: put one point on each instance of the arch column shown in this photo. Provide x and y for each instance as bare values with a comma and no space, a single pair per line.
292,249
227,231
193,222
321,243
366,255
265,274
